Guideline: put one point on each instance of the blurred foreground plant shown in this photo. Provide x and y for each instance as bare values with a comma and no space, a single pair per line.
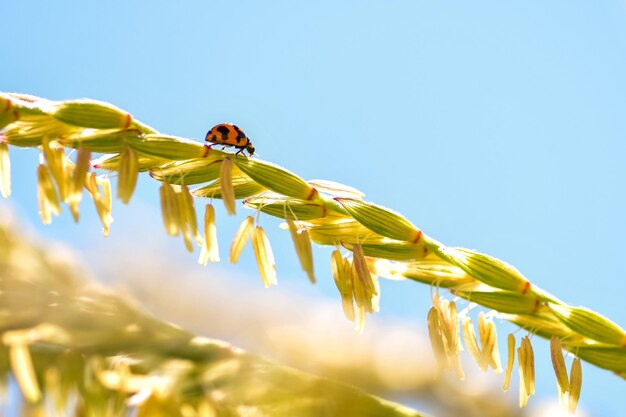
378,241
77,350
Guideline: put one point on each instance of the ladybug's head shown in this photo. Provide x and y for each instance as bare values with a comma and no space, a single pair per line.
250,148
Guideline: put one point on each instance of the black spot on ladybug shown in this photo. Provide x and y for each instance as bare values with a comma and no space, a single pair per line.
224,131
241,137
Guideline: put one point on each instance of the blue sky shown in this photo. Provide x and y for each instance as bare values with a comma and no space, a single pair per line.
491,125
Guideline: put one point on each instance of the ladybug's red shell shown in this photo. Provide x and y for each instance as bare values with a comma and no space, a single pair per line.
228,134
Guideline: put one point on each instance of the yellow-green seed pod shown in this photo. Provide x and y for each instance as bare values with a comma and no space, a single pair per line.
382,220
112,162
30,130
607,357
282,207
168,147
545,325
226,186
192,171
341,231
92,114
393,250
264,256
210,251
241,238
575,384
101,141
502,301
169,210
510,362
302,243
5,170
276,178
487,269
128,173
589,324
558,363
439,274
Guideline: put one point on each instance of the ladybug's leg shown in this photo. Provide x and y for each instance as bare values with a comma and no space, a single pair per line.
240,150
208,149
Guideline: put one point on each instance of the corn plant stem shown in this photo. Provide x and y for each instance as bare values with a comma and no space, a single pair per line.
103,128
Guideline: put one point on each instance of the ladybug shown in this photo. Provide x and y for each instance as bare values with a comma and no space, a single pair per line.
227,134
